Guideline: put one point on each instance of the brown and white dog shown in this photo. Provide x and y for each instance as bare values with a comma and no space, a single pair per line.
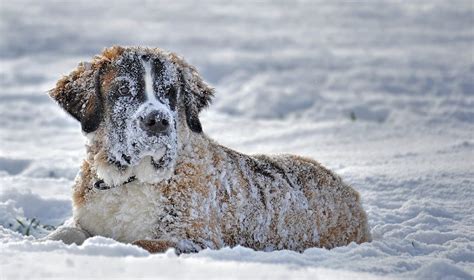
153,178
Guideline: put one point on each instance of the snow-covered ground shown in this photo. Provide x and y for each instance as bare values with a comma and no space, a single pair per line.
381,92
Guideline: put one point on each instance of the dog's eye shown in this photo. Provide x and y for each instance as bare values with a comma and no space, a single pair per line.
124,90
170,91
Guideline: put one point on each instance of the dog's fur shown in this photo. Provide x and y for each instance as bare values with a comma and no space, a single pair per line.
189,192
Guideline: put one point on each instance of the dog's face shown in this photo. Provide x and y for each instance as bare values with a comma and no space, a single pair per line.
134,104
140,114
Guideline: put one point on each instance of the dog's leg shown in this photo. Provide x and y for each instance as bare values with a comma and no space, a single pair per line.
155,246
68,235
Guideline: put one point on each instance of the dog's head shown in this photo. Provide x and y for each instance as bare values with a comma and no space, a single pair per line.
135,105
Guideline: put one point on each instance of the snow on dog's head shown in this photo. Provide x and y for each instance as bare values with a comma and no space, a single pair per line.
136,107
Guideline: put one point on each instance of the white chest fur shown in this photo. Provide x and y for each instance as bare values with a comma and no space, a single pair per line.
127,213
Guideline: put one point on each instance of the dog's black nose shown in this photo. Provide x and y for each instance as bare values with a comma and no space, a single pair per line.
154,123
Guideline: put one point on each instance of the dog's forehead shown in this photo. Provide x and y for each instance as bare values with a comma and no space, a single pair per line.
143,74
133,64
133,61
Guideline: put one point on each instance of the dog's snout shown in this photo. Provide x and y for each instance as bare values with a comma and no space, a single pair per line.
154,123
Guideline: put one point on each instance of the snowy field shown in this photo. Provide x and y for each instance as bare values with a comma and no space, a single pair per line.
380,92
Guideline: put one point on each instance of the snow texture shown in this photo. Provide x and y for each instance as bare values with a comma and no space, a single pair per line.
380,92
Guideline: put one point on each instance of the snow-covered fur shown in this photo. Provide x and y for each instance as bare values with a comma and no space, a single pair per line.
178,188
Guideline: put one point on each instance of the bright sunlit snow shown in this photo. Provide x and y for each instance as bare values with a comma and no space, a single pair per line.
380,92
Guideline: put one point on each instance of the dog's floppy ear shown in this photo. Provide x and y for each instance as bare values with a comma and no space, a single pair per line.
196,95
79,95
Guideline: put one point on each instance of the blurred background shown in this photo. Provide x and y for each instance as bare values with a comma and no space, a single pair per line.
376,61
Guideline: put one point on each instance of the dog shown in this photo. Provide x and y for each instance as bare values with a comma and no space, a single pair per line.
151,176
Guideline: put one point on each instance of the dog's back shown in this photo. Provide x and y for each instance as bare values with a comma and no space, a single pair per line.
292,203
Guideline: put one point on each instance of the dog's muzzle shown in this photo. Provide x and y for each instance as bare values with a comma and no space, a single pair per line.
101,185
154,123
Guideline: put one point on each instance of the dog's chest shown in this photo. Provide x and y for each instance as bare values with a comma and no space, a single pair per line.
127,213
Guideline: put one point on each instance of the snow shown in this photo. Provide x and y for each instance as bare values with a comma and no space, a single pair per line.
381,92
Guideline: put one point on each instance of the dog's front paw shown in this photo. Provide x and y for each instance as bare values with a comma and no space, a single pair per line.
68,235
155,246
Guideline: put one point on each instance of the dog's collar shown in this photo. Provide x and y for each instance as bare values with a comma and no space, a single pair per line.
100,185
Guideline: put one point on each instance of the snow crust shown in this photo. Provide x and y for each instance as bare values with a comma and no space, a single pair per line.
381,92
